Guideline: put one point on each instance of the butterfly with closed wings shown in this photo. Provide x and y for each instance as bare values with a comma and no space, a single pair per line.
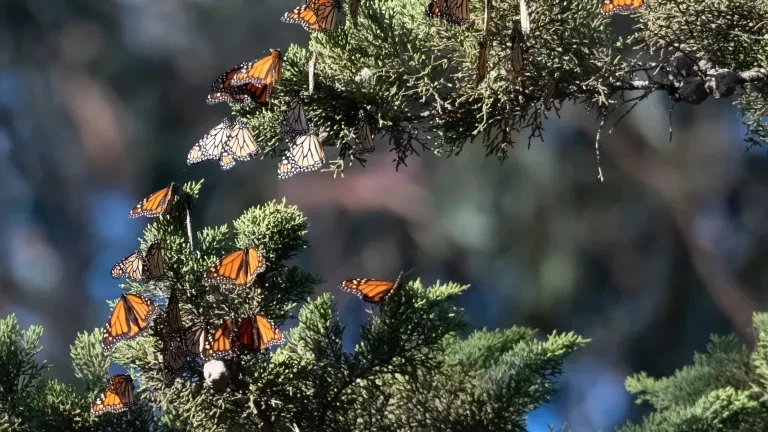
228,142
117,398
306,154
363,137
294,122
141,268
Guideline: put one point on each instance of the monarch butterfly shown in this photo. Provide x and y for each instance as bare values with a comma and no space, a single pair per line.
284,170
212,146
311,70
265,70
353,4
611,7
157,204
517,62
118,397
525,21
194,338
219,344
247,94
142,268
363,138
131,316
547,98
238,268
372,290
482,60
223,90
257,333
294,121
173,315
227,142
223,82
454,12
306,154
174,358
316,16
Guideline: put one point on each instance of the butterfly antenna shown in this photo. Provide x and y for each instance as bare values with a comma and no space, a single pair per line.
406,273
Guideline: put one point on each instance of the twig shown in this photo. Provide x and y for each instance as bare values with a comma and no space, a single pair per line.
597,148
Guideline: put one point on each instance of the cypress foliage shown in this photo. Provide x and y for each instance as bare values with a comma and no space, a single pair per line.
417,77
416,367
725,390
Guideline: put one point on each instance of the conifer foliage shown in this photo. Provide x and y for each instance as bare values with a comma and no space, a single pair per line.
417,365
433,83
725,390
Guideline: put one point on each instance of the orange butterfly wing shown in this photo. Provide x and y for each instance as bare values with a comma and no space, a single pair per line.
220,344
611,7
315,16
266,70
131,266
269,334
257,332
238,268
371,290
131,316
118,397
157,204
247,337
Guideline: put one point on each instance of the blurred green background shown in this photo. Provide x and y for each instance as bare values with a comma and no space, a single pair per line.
100,101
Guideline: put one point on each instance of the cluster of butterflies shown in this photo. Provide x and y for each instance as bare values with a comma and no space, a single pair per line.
182,345
252,83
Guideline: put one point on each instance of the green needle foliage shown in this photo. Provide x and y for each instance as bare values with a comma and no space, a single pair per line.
417,77
725,390
416,367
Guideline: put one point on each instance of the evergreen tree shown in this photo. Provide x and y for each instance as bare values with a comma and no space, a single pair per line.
416,81
725,390
416,367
